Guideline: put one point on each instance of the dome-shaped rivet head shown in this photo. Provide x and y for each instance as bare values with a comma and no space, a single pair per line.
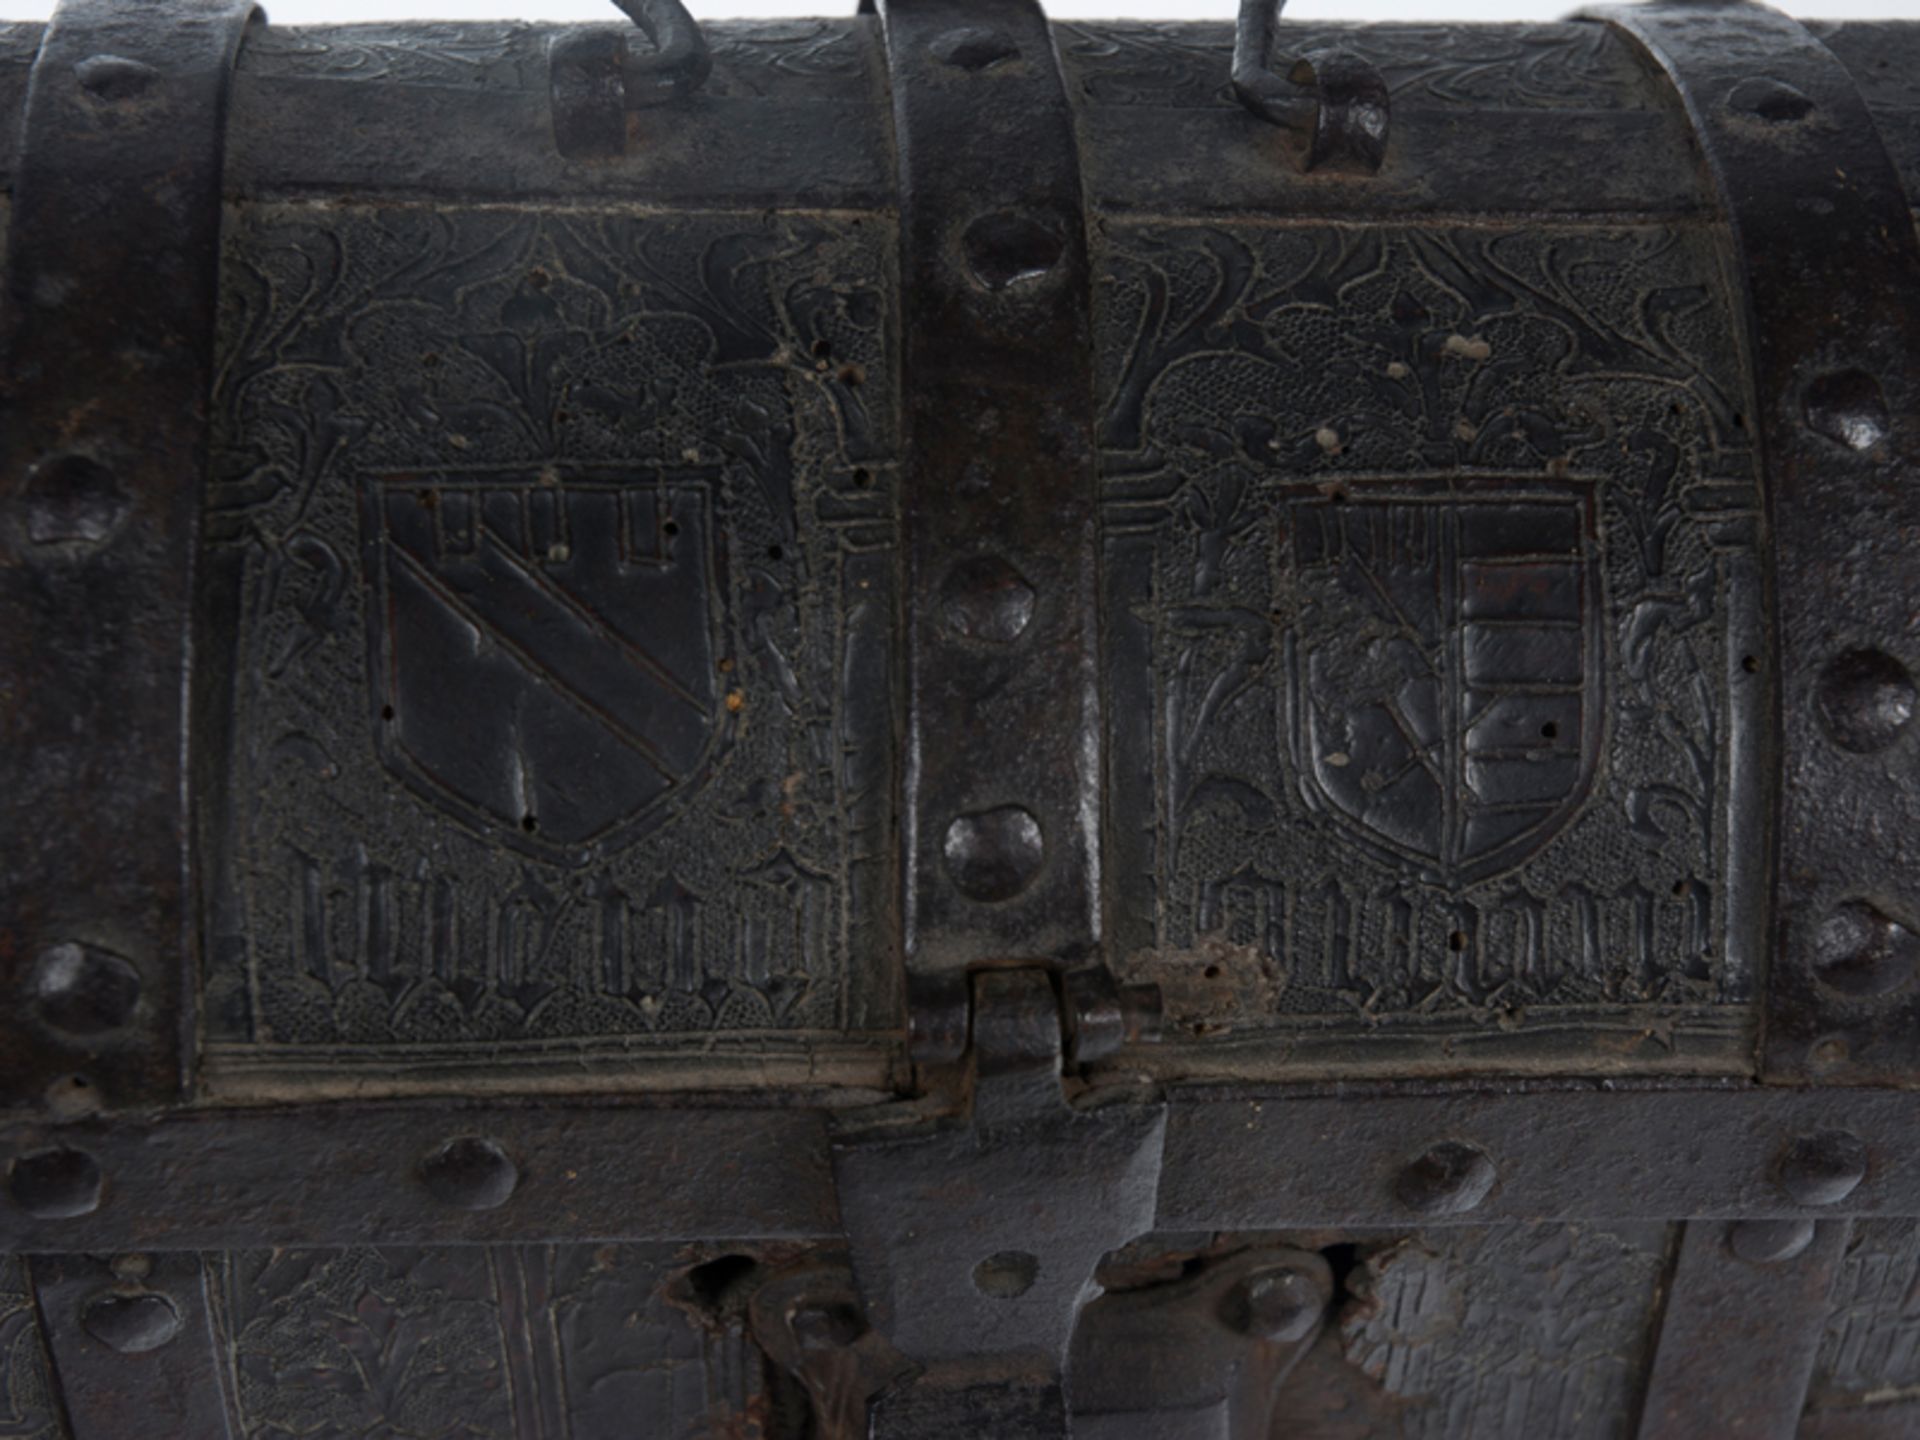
984,598
994,854
72,503
1861,950
1774,101
1823,1168
1281,1304
1849,408
470,1172
83,989
1450,1179
55,1184
826,1325
974,47
1006,248
1866,699
1769,1242
115,78
131,1324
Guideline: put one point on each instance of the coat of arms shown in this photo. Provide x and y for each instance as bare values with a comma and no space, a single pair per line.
1444,679
546,647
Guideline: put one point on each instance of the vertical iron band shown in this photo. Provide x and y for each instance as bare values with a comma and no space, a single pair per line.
1745,1312
134,1343
1003,769
1828,282
108,335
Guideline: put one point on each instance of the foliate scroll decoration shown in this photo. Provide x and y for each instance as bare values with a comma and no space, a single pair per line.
748,59
1429,561
407,54
29,1406
1525,67
509,1343
19,44
557,550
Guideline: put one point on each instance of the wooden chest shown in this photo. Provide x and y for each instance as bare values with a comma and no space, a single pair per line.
932,725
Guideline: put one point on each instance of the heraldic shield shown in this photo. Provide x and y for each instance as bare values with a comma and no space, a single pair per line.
1446,667
546,647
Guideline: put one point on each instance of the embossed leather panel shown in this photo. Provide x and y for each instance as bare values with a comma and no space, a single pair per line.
1430,567
554,551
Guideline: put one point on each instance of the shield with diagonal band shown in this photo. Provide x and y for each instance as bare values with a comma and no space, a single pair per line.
546,647
1445,673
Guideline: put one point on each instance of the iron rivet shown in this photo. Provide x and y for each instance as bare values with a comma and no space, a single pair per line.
71,1097
1773,101
1282,1304
72,500
470,1173
1823,1168
974,47
55,1184
1006,248
826,1325
1861,950
1006,1276
994,854
1768,1242
1828,1054
1449,1179
83,989
115,78
1849,408
985,598
131,1324
1866,698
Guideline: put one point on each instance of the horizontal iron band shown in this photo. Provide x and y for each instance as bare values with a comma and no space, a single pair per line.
358,1174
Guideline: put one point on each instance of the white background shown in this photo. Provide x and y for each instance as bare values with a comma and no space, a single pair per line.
298,12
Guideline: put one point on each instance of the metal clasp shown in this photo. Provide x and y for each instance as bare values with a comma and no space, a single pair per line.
974,1237
1348,94
595,80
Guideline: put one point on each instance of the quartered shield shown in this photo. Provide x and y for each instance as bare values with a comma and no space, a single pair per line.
1445,673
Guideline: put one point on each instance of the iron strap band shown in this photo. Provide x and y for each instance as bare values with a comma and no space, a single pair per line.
552,1172
1746,1312
108,337
1002,784
1828,283
1002,775
133,1341
1826,280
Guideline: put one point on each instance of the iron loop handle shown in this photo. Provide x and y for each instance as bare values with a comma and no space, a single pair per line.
596,78
1346,94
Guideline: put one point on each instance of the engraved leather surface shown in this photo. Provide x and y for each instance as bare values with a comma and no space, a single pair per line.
1424,548
550,640
554,555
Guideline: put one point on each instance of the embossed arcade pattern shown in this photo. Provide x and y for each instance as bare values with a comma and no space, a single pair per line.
558,555
1430,602
1520,1330
507,1343
1871,1349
